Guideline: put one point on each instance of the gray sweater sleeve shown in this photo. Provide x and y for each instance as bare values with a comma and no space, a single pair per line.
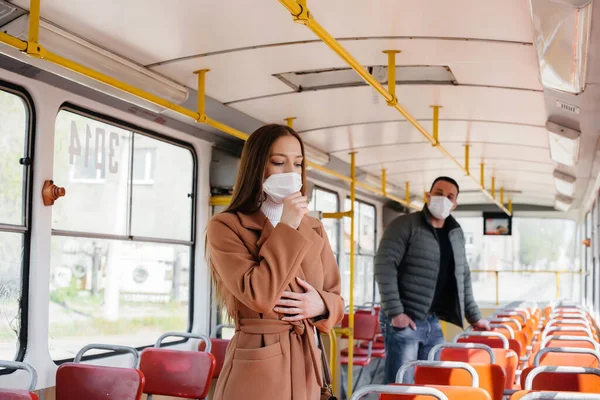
472,312
388,263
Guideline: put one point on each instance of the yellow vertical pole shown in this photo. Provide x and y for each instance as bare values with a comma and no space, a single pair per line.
333,360
392,74
502,195
34,21
482,174
352,234
384,181
493,187
425,197
510,207
407,192
557,285
290,121
497,288
467,154
201,91
436,124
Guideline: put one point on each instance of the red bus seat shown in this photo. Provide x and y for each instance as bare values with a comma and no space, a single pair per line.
19,394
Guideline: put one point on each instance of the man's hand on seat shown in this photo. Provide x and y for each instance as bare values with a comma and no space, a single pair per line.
482,325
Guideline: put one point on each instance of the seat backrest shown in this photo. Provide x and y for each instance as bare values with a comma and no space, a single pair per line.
451,393
218,350
93,382
8,394
544,395
568,379
492,378
567,357
177,373
494,343
365,325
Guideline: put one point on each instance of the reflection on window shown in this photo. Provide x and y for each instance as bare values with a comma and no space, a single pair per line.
364,248
129,186
115,292
537,249
14,223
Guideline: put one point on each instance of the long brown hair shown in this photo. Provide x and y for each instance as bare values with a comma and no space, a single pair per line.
248,195
248,191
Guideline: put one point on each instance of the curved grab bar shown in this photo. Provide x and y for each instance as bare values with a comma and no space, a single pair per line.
406,390
568,322
438,364
25,367
560,370
560,396
220,327
109,347
484,334
511,331
510,315
570,350
480,346
186,335
496,320
573,338
552,329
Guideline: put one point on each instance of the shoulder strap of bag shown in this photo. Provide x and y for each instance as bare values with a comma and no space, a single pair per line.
326,372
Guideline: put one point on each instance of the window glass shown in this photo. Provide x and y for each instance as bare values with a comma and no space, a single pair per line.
15,128
326,201
162,189
13,139
92,162
115,292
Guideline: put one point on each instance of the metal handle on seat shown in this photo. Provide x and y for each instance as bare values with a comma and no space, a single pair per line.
484,334
186,335
510,330
559,370
570,350
564,328
560,396
493,320
438,364
25,367
568,322
480,346
109,347
220,327
390,389
511,314
572,338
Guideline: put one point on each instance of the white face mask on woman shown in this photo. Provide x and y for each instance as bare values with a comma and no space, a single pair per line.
440,207
280,186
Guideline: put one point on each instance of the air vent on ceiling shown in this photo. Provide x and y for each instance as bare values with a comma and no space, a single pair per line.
8,13
346,77
567,107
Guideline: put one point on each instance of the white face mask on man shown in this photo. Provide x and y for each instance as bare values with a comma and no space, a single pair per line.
440,207
279,186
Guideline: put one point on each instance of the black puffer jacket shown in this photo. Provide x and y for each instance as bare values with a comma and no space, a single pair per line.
407,265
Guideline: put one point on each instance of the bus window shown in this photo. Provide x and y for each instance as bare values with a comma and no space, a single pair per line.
328,202
122,240
364,250
15,132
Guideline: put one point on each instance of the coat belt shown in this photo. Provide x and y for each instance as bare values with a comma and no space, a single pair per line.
300,337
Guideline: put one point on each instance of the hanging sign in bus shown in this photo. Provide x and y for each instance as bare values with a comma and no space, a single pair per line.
497,224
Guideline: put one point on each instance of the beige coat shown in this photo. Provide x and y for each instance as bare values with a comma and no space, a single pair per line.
254,264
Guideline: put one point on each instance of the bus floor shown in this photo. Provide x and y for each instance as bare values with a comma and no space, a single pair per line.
374,373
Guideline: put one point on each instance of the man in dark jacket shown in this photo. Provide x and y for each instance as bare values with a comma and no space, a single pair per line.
423,276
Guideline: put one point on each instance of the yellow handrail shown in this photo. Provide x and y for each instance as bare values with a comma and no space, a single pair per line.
302,15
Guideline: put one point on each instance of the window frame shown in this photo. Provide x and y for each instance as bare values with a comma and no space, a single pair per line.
25,228
135,129
336,252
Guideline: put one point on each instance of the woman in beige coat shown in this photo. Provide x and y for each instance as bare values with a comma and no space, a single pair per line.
276,273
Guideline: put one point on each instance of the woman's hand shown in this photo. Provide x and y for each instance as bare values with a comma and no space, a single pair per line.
299,306
295,207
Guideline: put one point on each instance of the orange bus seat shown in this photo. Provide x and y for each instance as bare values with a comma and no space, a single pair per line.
450,393
567,357
567,379
16,394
